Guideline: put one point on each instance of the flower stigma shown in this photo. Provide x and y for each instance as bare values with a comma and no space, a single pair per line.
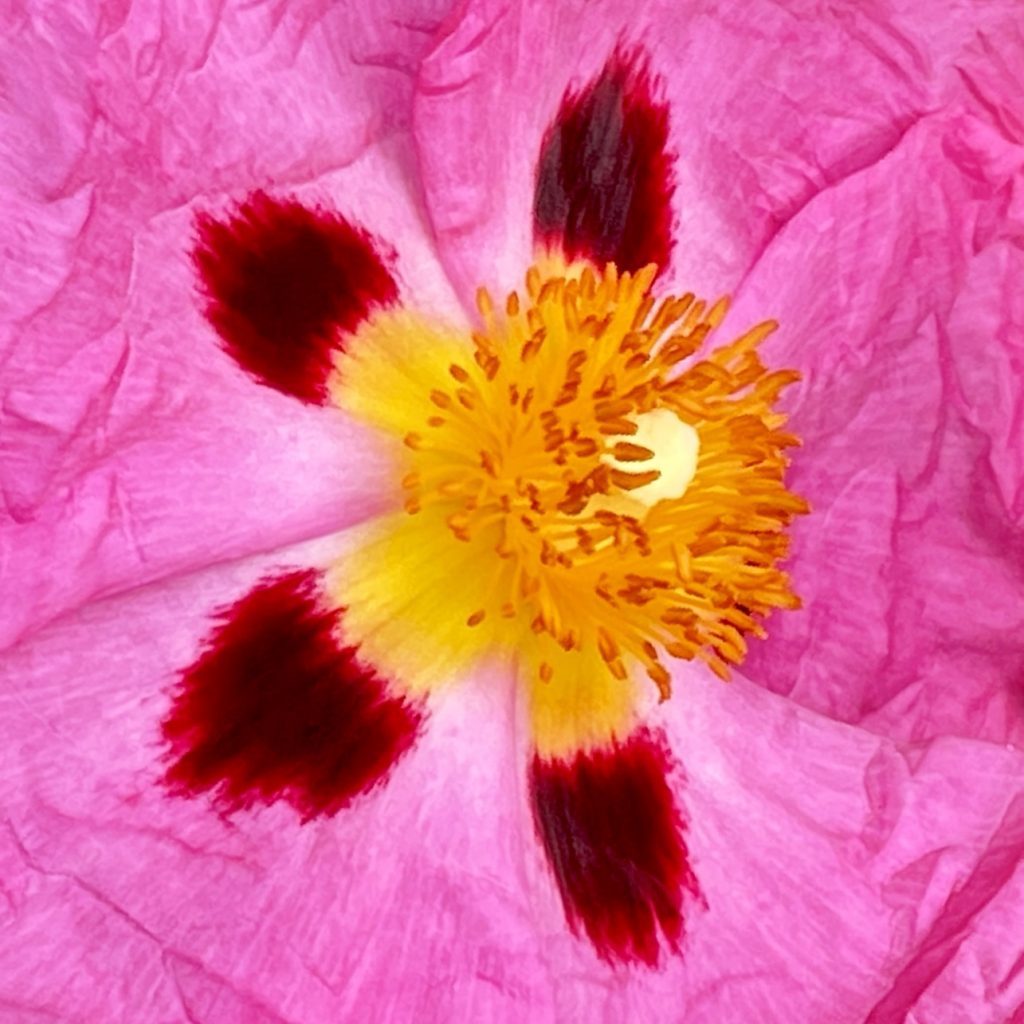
586,480
673,445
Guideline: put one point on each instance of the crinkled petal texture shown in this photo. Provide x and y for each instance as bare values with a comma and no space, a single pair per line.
857,175
179,845
910,337
127,413
768,106
130,898
842,876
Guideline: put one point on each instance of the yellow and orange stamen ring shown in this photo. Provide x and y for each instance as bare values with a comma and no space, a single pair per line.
619,484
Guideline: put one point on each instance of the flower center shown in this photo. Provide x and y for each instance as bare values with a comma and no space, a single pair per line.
619,490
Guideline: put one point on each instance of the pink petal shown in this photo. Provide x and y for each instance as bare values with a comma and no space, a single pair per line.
132,445
907,325
124,902
767,108
163,103
843,874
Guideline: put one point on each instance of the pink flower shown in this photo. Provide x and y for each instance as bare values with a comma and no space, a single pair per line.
834,836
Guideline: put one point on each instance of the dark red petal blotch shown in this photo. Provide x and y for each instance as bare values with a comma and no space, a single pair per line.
284,285
276,707
604,176
614,839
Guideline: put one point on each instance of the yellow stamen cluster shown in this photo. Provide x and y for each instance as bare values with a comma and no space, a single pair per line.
526,450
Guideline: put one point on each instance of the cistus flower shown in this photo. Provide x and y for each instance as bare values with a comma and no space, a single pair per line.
374,368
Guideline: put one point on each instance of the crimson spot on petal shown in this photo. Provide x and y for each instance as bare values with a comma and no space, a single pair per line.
604,178
614,839
276,707
284,286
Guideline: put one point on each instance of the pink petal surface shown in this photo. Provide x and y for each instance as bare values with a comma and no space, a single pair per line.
856,175
848,877
900,857
770,104
908,328
163,909
131,443
844,875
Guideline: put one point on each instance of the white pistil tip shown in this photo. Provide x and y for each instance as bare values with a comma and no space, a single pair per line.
676,446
